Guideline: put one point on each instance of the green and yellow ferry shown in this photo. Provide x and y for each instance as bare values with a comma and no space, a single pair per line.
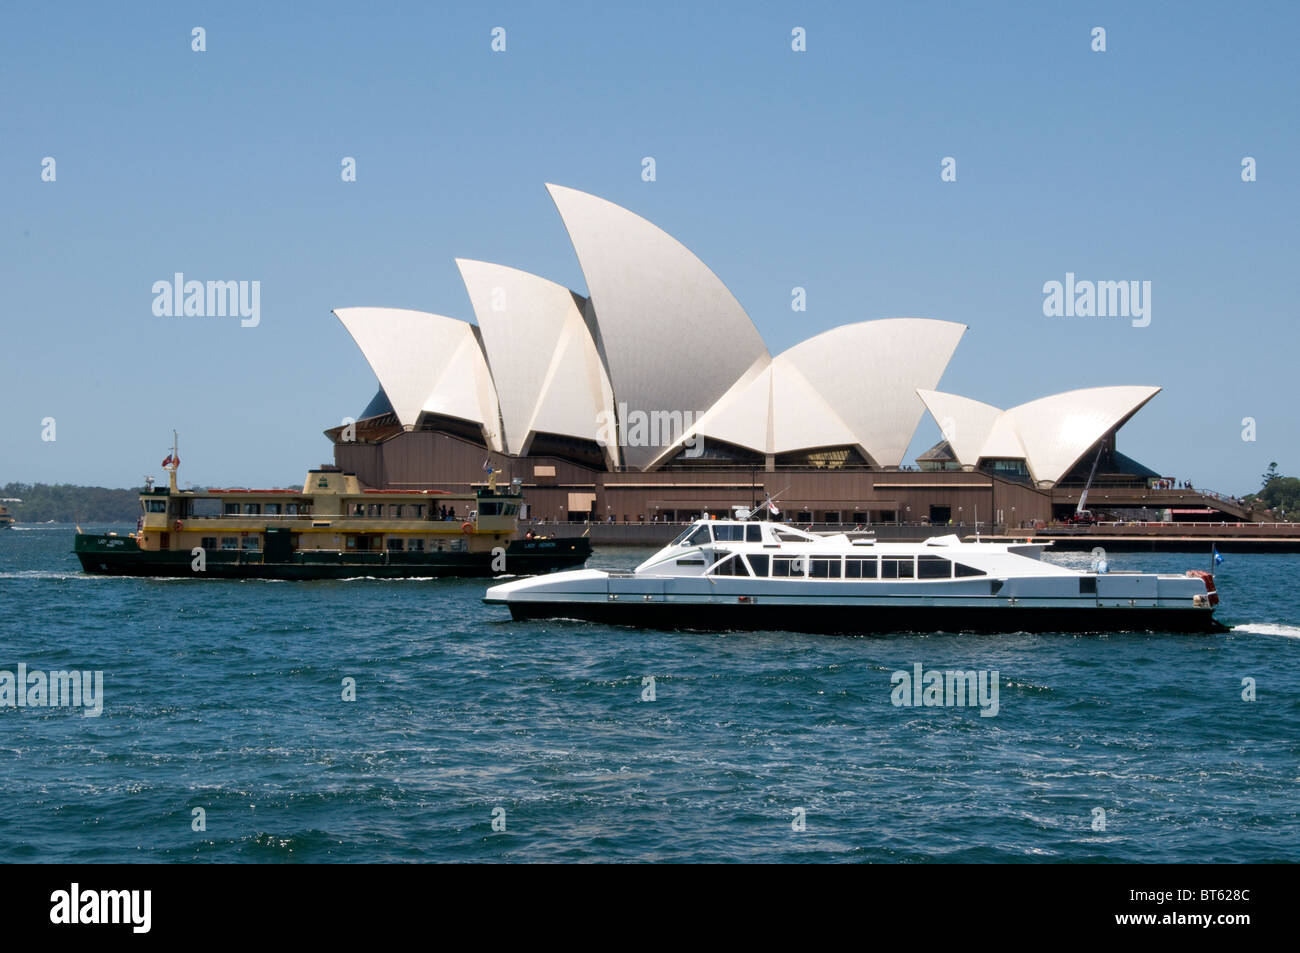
333,528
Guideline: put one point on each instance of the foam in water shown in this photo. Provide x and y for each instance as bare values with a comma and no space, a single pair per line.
1269,628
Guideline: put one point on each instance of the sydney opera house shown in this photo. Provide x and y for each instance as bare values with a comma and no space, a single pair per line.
653,397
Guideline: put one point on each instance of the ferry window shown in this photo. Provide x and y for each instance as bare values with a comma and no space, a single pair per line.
758,563
375,509
417,511
230,542
458,545
232,509
732,533
157,506
488,508
699,537
787,566
358,509
968,570
753,533
690,562
252,509
272,509
896,567
395,510
291,509
860,567
209,542
417,545
825,567
250,544
395,544
933,567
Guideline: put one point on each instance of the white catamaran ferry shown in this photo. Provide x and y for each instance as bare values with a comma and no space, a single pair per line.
746,574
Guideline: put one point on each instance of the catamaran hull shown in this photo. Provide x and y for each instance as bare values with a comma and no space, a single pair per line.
873,619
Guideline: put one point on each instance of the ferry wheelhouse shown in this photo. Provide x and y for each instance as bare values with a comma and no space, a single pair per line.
748,574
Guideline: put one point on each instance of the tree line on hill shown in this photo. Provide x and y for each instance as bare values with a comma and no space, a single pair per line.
1281,494
68,503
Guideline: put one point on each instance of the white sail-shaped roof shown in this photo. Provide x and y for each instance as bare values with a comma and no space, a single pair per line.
870,372
674,338
1050,434
426,362
855,385
543,360
1057,431
964,423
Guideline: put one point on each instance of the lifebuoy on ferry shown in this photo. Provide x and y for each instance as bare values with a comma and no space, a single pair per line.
178,525
467,528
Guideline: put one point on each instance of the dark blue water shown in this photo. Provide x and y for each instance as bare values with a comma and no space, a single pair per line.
227,696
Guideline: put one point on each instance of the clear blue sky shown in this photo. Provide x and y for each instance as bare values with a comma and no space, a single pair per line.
818,169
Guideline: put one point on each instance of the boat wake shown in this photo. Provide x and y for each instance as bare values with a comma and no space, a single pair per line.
1269,628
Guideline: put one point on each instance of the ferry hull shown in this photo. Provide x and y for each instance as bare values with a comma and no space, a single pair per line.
873,619
119,556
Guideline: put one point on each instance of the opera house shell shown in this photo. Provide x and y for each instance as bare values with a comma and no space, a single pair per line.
658,370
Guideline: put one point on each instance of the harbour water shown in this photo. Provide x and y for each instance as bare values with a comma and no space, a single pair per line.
229,697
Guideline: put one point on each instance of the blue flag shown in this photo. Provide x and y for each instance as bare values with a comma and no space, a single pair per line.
1218,557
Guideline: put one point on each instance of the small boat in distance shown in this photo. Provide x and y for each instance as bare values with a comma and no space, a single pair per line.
331,528
748,575
7,518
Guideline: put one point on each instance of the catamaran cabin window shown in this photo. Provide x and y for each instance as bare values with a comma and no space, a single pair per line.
415,545
730,532
488,509
933,567
156,506
209,542
860,567
252,509
230,542
417,511
396,544
730,566
375,509
825,567
787,566
273,509
699,537
758,563
395,510
968,570
753,533
896,567
250,544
